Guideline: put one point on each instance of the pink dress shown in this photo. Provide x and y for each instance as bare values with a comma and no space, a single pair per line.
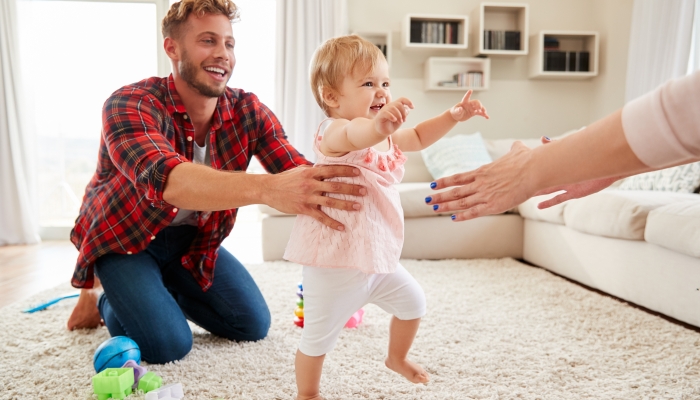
373,236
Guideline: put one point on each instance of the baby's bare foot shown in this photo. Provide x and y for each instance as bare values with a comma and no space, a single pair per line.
410,370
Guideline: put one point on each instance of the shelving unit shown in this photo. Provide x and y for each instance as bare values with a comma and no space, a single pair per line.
500,17
380,39
435,27
569,42
437,69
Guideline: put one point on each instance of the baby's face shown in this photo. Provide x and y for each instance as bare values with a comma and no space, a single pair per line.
363,95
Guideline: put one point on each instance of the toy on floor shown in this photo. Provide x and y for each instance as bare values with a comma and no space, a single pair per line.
139,371
115,383
353,322
114,352
150,382
43,306
171,391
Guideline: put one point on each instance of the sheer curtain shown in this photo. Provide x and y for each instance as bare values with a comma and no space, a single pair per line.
659,44
302,26
17,216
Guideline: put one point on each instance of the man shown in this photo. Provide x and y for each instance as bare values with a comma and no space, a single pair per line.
137,230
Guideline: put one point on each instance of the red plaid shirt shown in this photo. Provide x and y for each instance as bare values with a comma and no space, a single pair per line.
146,132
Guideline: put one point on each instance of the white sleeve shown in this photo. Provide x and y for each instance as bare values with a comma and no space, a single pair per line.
663,127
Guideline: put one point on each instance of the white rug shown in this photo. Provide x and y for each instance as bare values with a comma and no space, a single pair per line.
495,329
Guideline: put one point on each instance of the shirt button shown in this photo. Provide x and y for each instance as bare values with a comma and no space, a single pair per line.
153,237
128,252
189,138
175,209
185,116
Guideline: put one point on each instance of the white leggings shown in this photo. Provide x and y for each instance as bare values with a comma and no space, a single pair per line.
332,295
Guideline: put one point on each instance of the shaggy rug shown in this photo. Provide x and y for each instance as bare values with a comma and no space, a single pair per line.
495,329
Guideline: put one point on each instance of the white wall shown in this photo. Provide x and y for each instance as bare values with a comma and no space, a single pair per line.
519,107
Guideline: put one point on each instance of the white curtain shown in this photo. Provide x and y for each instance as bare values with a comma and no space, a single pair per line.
17,217
659,44
302,26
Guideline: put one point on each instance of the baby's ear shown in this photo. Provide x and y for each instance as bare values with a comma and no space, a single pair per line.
330,97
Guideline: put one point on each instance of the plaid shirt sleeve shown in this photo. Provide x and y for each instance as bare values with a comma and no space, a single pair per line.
133,126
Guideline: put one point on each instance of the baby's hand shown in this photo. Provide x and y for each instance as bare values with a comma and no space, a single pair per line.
467,108
392,115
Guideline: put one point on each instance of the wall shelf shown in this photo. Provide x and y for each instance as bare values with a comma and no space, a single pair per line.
564,62
380,38
434,31
440,69
495,26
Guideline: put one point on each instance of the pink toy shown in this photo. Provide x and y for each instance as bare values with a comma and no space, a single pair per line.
139,371
356,319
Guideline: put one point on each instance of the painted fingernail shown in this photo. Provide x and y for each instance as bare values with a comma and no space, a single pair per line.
433,185
363,191
428,199
356,206
547,138
453,217
435,207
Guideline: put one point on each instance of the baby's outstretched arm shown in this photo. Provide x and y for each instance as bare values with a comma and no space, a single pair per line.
343,135
429,131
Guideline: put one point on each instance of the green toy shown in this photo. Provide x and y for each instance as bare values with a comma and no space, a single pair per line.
113,383
150,381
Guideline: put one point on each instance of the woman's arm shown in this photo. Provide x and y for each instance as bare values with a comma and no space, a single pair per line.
429,131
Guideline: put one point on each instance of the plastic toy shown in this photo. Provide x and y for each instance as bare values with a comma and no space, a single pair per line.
139,371
150,382
353,322
171,391
113,383
114,352
43,306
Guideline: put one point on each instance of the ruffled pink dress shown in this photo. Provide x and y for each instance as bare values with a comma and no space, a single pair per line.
373,236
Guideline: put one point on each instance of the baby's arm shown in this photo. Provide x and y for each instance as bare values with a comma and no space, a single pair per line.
429,131
343,136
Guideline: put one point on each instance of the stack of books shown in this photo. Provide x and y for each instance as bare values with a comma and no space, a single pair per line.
434,32
501,40
569,61
465,79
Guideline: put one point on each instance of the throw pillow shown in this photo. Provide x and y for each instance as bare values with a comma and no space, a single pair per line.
683,178
454,154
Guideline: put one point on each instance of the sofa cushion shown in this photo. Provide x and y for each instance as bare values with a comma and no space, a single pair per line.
554,214
618,213
455,154
683,178
412,197
676,227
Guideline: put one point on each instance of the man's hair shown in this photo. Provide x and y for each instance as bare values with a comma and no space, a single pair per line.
338,57
178,13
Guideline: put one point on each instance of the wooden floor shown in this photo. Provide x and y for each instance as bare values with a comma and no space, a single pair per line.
27,270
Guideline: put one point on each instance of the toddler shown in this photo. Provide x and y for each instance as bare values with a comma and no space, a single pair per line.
344,270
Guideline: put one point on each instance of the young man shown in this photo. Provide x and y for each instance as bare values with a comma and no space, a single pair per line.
153,218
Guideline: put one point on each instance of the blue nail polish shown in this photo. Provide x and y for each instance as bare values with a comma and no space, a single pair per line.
435,207
433,185
547,138
428,199
453,217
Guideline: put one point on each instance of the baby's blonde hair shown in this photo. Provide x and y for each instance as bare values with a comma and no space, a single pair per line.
338,57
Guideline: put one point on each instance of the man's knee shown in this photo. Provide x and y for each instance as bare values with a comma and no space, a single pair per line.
257,326
166,346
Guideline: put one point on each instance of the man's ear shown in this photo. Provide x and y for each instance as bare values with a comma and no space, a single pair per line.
330,97
171,48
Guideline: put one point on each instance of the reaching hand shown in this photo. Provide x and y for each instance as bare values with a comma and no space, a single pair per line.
85,314
467,108
392,116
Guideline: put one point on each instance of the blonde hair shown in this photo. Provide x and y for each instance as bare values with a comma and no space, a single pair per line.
178,13
338,57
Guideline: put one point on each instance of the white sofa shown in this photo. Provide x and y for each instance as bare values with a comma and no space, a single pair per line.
640,246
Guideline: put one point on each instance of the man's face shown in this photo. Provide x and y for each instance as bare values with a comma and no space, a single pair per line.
206,57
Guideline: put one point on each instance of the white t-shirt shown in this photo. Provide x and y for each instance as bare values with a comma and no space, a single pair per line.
663,127
201,156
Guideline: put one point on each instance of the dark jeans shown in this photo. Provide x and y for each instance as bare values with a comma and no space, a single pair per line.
148,297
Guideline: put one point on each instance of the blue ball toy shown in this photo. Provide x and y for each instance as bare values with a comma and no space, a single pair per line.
114,352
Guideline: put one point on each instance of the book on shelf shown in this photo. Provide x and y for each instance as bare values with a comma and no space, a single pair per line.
501,40
551,43
566,61
434,32
467,79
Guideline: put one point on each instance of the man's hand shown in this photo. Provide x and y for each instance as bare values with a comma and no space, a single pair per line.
467,108
392,116
85,314
301,191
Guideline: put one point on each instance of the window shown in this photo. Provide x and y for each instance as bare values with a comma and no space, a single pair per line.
74,54
694,59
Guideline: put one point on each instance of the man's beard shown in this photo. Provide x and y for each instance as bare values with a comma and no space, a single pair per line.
188,72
